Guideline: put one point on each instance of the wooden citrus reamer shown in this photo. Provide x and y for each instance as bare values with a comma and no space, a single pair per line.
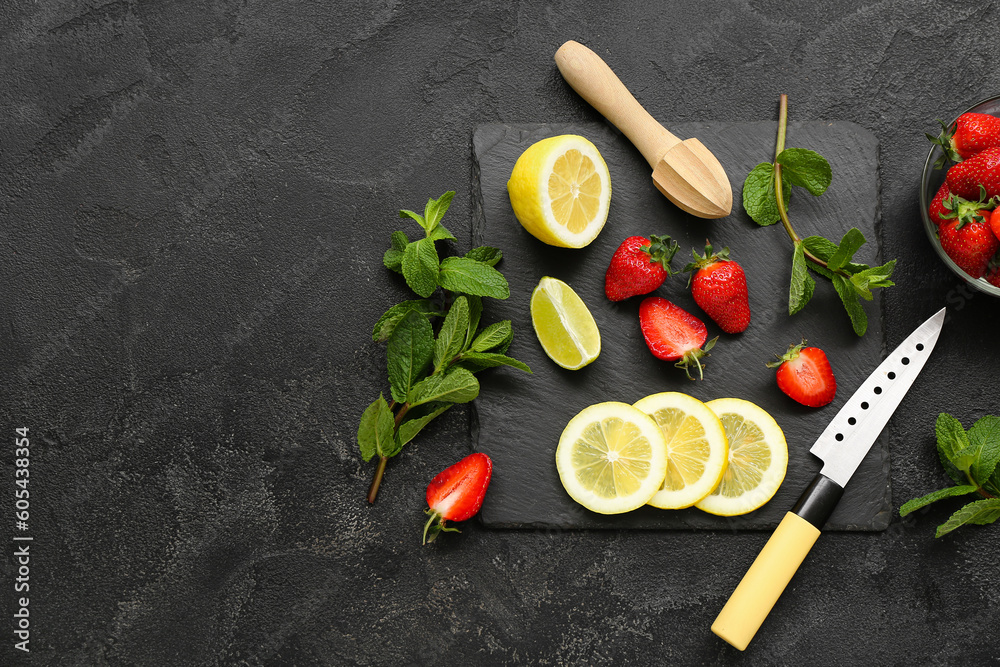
684,171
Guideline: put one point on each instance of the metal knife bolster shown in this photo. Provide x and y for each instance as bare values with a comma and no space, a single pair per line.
851,433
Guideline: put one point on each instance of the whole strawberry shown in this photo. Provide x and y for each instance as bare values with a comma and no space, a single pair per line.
719,287
970,242
639,266
995,222
673,334
972,134
457,493
993,277
981,170
936,210
804,374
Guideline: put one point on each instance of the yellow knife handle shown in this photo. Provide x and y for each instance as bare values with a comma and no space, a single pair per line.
777,562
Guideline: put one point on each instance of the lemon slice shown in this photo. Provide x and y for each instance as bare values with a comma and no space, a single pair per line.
564,325
560,190
758,458
611,458
697,448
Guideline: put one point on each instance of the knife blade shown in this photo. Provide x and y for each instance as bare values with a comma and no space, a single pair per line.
842,446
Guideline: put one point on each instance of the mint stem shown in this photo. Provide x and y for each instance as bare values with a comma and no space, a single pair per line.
383,460
779,191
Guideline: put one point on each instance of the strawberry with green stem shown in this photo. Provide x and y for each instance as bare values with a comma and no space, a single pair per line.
971,133
719,287
805,376
966,235
979,173
673,334
456,494
639,266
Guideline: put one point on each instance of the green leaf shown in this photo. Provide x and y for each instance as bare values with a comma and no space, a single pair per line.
824,249
759,198
475,312
984,439
375,432
459,385
950,492
461,274
979,512
420,267
492,336
411,427
393,257
435,210
951,439
802,285
481,360
410,349
451,337
403,213
485,254
439,233
390,318
849,297
807,169
849,245
866,280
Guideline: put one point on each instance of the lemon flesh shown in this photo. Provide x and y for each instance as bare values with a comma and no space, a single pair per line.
564,325
697,448
611,458
560,190
758,458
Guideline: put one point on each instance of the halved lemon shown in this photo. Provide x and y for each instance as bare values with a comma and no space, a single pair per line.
611,458
758,458
697,448
564,325
560,190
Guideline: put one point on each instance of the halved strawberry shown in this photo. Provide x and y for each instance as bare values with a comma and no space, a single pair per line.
673,334
457,493
804,374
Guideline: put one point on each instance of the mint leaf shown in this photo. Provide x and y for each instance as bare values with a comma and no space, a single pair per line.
410,349
805,168
950,492
979,512
849,245
802,286
824,249
420,267
435,209
951,439
451,337
849,297
984,438
403,213
485,254
481,360
492,336
375,432
393,257
409,429
390,318
439,233
475,312
759,198
461,274
864,281
457,386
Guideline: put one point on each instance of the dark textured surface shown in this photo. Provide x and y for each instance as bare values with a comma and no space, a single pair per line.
194,201
519,421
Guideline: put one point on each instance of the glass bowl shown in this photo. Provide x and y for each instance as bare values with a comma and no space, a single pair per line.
931,179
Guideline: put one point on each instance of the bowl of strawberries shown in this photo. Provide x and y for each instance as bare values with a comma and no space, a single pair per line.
960,195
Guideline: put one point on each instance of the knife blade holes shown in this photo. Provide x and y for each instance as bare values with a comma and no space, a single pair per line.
891,376
878,390
905,360
920,347
864,405
852,421
839,436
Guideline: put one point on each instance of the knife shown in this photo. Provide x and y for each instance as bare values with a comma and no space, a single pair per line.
841,447
685,172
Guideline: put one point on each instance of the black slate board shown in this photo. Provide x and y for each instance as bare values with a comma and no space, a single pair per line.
517,419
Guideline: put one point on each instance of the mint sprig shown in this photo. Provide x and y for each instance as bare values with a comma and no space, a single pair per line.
970,458
766,198
430,371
